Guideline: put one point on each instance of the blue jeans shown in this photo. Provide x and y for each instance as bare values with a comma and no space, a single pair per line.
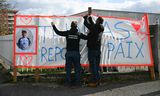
72,58
94,61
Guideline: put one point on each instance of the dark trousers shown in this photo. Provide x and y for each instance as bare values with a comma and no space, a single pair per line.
94,61
72,58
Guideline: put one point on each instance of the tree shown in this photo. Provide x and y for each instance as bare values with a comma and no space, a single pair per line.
4,4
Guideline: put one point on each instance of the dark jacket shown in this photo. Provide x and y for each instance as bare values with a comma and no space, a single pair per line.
21,46
94,35
72,37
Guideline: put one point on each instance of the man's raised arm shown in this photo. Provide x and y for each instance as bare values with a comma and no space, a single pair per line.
61,33
86,23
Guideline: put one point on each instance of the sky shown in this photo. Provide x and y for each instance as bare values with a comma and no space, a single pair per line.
69,7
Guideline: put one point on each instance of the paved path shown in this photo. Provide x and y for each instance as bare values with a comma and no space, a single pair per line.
143,89
151,88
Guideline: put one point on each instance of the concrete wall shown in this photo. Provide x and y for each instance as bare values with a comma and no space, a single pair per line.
6,47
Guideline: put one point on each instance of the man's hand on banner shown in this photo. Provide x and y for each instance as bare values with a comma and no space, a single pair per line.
86,16
52,23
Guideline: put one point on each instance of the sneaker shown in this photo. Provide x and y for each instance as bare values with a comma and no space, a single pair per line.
93,84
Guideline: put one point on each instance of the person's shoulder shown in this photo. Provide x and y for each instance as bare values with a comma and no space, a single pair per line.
78,33
68,30
101,26
20,38
28,38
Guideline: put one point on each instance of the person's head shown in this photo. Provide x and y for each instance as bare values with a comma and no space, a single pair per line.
99,20
24,33
74,24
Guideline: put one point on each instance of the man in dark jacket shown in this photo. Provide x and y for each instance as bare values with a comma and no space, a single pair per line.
94,46
72,55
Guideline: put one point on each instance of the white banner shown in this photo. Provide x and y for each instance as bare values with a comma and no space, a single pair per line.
125,42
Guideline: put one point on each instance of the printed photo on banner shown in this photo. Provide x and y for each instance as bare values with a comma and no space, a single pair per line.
25,40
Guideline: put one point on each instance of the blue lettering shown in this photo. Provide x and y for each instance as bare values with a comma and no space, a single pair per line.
57,52
43,53
119,52
109,29
122,29
139,49
62,50
44,35
50,55
129,47
109,49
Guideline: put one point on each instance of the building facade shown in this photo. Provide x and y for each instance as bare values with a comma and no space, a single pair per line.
7,21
